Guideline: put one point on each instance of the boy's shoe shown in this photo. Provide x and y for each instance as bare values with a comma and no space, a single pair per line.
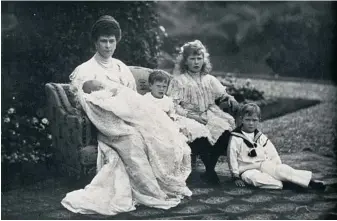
210,178
317,185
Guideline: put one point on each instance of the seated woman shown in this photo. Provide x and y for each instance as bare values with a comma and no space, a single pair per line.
142,159
194,92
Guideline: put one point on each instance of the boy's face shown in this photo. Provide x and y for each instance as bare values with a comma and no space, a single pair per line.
195,62
158,89
250,122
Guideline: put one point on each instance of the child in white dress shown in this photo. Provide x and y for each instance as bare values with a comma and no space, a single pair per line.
254,160
158,83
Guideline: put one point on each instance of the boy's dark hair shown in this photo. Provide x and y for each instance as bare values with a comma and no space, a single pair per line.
250,109
159,75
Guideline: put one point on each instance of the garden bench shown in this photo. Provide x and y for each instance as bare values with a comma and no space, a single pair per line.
74,136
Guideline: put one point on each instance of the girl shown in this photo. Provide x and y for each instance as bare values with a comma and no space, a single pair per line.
194,92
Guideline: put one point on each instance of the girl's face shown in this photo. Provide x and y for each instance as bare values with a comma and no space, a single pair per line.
158,89
250,122
106,45
195,63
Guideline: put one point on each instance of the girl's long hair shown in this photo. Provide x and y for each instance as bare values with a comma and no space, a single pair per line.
193,48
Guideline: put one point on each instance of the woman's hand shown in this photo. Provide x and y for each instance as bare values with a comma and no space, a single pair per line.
239,183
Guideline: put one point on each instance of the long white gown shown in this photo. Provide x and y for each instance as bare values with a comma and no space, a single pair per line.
142,157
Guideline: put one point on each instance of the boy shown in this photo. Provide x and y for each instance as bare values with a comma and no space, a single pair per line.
254,160
158,83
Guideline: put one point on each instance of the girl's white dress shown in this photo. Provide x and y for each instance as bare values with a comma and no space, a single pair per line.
142,157
193,94
194,129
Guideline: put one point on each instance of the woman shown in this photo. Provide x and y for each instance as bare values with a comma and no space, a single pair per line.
140,161
194,92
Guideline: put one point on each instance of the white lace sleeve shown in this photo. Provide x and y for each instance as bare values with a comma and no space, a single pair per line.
218,89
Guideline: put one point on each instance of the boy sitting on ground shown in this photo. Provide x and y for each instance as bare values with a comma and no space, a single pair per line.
253,159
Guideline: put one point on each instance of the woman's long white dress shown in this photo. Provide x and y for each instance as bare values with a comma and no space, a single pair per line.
142,157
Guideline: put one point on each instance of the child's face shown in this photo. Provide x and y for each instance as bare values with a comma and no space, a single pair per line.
195,62
158,89
250,122
92,85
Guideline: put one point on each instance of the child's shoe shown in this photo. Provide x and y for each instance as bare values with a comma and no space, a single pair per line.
317,185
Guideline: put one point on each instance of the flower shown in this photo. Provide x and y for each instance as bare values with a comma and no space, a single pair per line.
17,125
7,120
248,82
11,110
45,121
35,120
50,136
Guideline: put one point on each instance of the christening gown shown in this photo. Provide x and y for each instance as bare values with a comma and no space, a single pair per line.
142,157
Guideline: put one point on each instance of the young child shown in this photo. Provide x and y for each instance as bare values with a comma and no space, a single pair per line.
254,159
158,83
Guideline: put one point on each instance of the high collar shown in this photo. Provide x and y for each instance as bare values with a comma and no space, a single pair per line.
104,62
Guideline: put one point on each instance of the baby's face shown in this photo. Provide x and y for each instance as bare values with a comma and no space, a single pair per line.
96,85
93,85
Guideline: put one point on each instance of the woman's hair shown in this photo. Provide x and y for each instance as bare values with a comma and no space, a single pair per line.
106,25
193,48
250,109
159,75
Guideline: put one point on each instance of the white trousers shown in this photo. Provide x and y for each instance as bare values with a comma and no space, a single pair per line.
270,176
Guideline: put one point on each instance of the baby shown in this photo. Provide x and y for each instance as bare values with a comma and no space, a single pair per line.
95,85
254,160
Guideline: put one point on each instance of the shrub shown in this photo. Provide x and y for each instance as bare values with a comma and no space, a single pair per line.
242,93
24,138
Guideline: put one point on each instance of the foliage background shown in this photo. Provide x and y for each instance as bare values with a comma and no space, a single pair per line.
283,38
43,42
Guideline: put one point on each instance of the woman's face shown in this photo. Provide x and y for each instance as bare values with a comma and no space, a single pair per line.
106,45
195,63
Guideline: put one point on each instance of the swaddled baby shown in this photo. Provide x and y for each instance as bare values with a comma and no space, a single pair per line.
95,85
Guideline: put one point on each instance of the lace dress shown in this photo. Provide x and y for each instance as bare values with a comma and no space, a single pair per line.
197,94
140,161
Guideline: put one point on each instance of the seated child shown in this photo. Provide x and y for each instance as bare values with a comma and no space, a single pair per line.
252,157
158,83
